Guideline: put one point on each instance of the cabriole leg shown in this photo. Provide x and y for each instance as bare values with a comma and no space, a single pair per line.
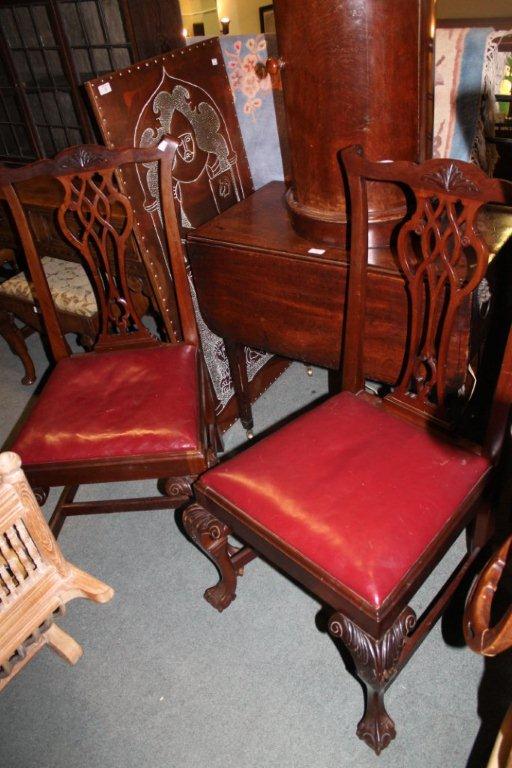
376,663
211,536
14,338
179,489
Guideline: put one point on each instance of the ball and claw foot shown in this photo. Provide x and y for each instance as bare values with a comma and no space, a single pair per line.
28,379
377,662
219,597
376,728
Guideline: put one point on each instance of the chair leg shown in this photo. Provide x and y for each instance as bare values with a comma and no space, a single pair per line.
14,338
85,341
179,489
59,515
377,662
481,529
41,493
216,444
211,536
63,644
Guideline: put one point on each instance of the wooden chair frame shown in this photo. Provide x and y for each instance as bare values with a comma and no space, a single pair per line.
381,640
479,634
35,579
489,640
88,175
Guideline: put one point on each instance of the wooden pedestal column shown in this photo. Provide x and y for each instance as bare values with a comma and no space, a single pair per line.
353,72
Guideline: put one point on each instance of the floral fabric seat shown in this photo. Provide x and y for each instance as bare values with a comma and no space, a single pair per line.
68,283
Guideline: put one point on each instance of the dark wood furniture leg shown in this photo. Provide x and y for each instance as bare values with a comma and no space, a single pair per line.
15,339
59,515
211,536
377,663
481,529
179,489
41,493
235,354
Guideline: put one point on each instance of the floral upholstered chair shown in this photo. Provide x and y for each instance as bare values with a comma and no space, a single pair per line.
74,300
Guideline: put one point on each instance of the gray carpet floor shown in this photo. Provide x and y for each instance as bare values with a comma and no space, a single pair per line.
167,682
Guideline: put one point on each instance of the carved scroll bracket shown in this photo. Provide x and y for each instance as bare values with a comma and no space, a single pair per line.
178,488
376,660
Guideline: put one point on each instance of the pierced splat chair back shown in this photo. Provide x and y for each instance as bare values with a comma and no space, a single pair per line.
442,257
97,218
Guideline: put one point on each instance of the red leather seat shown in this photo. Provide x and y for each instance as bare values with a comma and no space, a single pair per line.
352,489
115,404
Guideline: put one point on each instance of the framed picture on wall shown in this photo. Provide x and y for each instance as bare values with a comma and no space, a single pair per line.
267,20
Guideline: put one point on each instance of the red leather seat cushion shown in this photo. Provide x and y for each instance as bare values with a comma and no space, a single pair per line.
115,404
353,489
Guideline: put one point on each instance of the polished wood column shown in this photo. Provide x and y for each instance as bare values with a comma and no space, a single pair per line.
353,72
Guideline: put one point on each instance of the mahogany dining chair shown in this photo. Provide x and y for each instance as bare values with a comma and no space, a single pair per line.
360,498
133,408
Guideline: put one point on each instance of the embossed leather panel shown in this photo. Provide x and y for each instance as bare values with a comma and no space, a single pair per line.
115,404
353,489
185,93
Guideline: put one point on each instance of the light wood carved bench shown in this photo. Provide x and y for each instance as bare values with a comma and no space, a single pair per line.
35,579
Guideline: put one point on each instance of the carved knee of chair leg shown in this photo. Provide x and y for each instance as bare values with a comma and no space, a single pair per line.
377,662
211,536
179,489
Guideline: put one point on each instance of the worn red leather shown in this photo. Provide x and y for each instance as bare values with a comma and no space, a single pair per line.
115,404
353,489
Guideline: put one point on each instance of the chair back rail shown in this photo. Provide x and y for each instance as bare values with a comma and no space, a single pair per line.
97,219
443,258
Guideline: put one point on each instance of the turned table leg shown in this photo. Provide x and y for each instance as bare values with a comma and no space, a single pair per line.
235,354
